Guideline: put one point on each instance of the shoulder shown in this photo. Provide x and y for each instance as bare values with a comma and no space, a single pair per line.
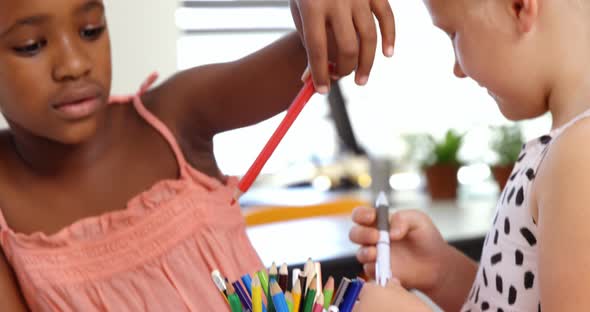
564,176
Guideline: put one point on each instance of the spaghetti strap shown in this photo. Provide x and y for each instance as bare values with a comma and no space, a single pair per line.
153,120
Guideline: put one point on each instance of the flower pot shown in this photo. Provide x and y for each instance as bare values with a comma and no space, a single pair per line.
502,174
442,181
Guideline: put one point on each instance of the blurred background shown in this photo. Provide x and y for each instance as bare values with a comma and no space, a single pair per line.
330,147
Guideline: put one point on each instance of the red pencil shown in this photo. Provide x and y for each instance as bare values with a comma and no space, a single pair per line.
302,98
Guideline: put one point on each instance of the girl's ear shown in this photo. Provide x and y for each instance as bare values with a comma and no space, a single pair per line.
525,13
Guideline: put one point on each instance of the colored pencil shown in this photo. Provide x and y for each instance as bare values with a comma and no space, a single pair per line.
319,304
243,295
310,296
296,296
256,295
328,292
289,299
262,275
247,280
284,277
297,105
318,274
278,297
272,276
303,283
234,300
295,276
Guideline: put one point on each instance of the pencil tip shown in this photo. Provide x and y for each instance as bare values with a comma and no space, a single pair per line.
381,200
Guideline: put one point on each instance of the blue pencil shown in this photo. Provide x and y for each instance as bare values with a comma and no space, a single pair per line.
278,297
243,295
351,295
247,280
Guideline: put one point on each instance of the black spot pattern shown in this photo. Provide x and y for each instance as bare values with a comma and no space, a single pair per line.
506,226
530,174
511,194
528,235
496,258
506,283
499,284
518,257
512,295
529,280
520,196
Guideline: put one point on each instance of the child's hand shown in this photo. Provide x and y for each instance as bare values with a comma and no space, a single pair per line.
393,297
418,251
344,32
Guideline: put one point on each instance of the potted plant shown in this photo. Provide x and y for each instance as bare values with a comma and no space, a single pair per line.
439,161
506,143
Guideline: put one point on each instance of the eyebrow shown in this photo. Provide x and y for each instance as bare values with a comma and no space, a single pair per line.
88,6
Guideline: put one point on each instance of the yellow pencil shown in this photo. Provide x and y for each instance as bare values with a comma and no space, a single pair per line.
296,295
256,295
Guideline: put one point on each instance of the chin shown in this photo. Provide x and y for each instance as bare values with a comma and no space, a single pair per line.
78,133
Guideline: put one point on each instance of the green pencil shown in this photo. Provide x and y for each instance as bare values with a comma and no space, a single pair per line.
310,296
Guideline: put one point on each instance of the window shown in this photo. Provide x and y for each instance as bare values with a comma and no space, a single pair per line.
415,91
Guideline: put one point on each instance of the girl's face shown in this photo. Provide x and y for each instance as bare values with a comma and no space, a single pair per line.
490,49
55,67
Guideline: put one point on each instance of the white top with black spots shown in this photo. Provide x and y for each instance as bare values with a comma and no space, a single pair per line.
507,275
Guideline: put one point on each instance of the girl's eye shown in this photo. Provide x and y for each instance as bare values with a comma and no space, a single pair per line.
31,49
92,33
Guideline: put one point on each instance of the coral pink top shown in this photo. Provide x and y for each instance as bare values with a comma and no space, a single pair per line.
155,255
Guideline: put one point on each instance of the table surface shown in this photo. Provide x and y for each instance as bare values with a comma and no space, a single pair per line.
325,238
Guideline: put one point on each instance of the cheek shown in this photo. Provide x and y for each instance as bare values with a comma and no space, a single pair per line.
102,64
23,88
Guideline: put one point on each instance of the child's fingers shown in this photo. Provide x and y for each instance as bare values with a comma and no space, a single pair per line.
314,33
367,254
384,14
369,269
346,40
364,216
363,235
367,32
403,222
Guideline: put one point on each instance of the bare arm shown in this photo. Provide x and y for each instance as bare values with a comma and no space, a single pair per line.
214,98
564,212
450,293
10,297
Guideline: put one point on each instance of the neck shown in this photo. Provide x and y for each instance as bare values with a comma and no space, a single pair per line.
46,157
570,97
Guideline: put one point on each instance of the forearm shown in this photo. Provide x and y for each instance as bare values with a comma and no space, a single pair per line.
450,292
262,84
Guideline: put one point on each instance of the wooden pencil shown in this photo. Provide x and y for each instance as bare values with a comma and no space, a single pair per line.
319,304
256,295
234,301
296,296
289,299
284,277
278,297
328,292
310,296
